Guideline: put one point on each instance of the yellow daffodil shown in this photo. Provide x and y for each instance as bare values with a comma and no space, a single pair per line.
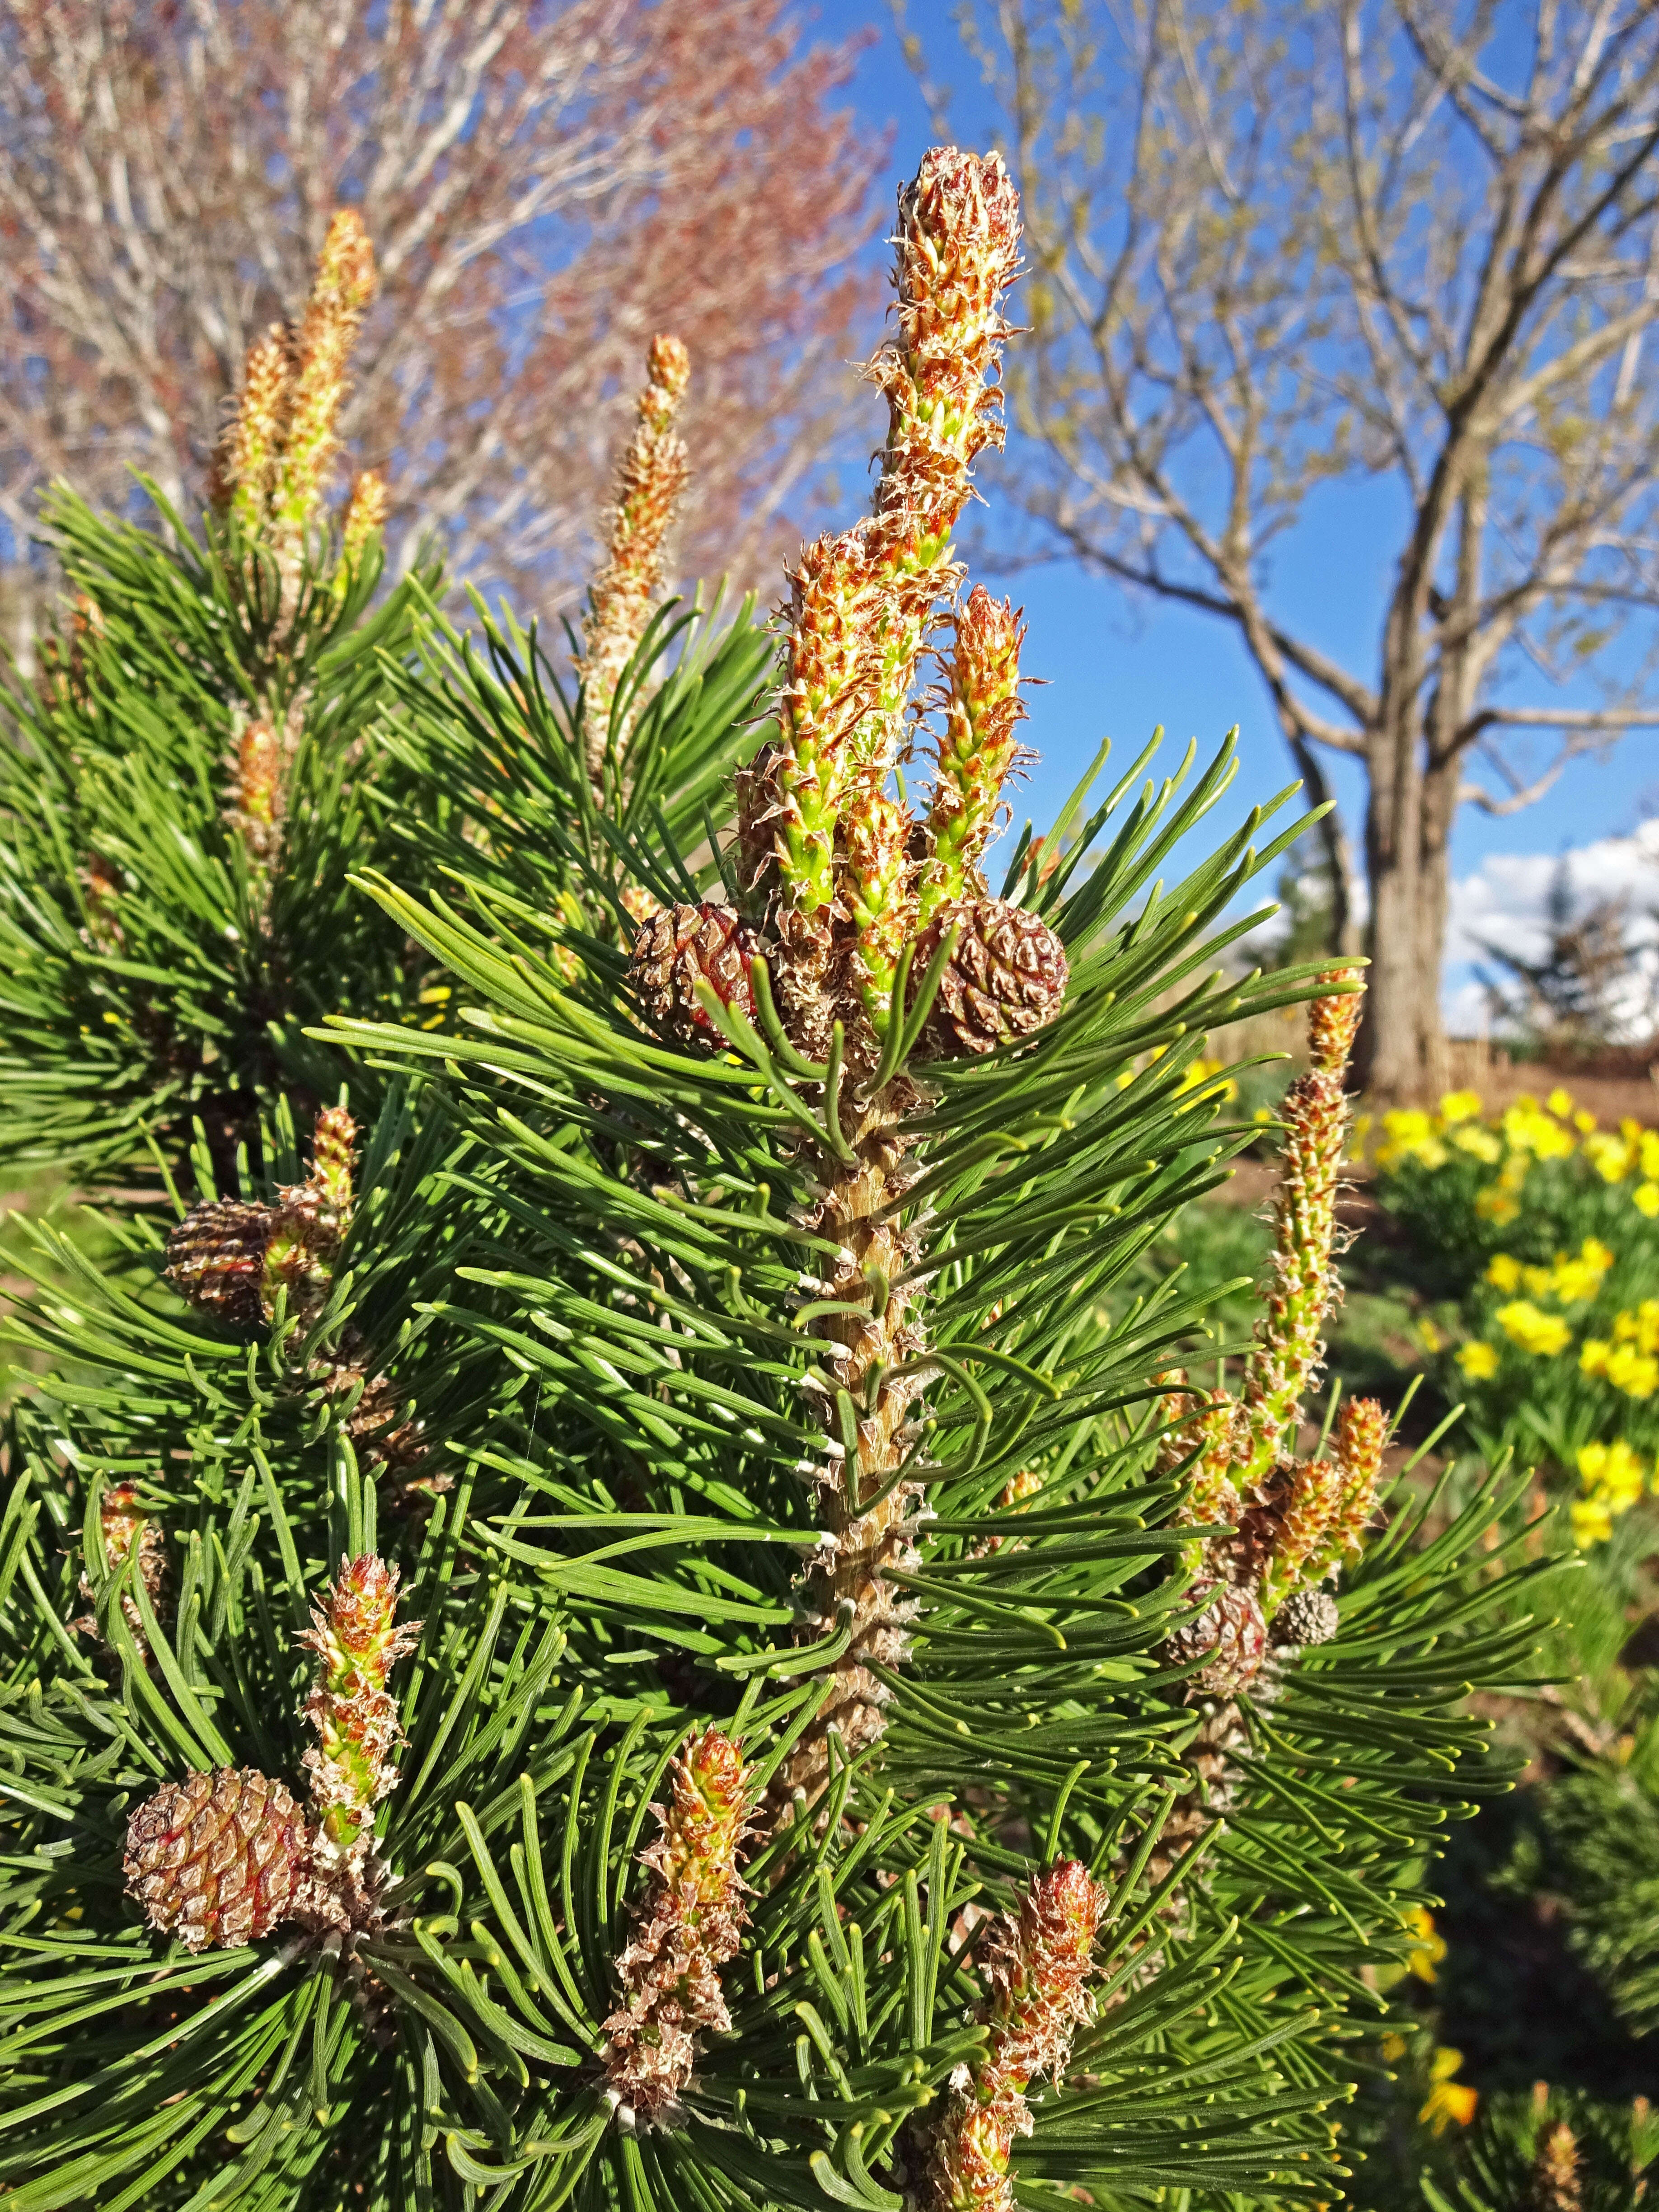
1448,2101
1542,1334
1478,1360
1460,1106
1424,1957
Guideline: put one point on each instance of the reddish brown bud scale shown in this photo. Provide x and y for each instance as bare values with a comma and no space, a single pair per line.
1361,1439
1555,2183
218,1859
1005,979
246,467
259,799
678,948
687,1925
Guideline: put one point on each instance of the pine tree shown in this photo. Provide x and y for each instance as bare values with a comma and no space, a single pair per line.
648,1620
189,781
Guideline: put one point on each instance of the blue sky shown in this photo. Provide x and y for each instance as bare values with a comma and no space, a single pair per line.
1116,666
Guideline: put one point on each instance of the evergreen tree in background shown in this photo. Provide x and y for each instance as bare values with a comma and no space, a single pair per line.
639,1617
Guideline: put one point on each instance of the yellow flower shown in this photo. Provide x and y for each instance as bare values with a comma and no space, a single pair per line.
1583,1121
1447,2100
1639,1327
1648,1152
1559,1102
1497,1206
1409,1134
1423,1958
1632,1371
1540,1281
1530,1129
1460,1106
1645,1197
1542,1334
1394,2047
1479,1143
1612,1473
1592,1524
1504,1272
1574,1280
1593,1355
1609,1156
1433,1340
1201,1070
1478,1360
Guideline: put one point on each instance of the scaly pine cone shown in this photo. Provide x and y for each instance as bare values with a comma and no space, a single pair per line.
1006,979
680,945
219,1859
687,1925
230,1258
1307,1617
216,1258
1229,1634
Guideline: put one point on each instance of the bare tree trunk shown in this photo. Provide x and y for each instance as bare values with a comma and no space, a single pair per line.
1440,788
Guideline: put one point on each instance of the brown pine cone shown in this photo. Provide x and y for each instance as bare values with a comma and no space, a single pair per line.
216,1258
218,1858
676,947
1005,979
1229,1633
1306,1618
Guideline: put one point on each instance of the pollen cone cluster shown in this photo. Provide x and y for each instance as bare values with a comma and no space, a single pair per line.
828,849
231,1258
845,894
650,480
689,1923
281,444
1037,1965
1286,1525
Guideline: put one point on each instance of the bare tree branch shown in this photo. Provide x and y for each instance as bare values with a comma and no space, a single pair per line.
1284,252
547,183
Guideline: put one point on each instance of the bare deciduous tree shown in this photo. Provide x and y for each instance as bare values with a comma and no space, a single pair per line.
1280,248
547,183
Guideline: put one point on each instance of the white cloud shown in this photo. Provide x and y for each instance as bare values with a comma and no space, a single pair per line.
1503,904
